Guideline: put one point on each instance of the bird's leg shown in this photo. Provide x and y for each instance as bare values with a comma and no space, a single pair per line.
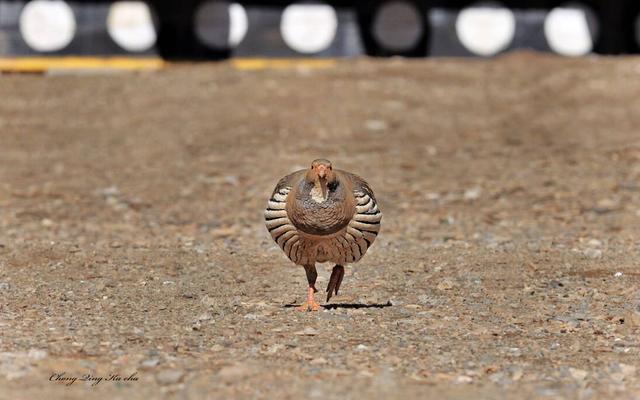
310,304
334,282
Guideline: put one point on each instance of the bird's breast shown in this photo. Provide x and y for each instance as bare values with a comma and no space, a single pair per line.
319,218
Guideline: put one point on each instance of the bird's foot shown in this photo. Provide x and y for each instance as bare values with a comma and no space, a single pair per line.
310,304
334,282
307,306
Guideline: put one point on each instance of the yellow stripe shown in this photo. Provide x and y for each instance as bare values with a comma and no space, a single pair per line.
43,64
282,63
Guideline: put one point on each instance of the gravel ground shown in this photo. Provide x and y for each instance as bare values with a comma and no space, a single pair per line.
132,241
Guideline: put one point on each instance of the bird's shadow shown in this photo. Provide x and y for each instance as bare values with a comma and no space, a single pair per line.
335,306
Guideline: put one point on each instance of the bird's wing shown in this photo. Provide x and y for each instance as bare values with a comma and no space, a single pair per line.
277,221
282,189
365,223
360,185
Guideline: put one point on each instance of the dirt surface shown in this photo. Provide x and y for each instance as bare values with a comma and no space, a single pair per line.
132,239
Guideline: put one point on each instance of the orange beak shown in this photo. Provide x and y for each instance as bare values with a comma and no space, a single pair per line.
322,171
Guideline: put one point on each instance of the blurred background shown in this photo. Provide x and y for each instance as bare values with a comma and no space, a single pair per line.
132,236
209,29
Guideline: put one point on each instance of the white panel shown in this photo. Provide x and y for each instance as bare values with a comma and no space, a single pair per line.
567,32
486,30
130,25
309,28
239,24
47,25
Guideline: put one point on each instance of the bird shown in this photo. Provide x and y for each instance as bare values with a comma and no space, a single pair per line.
319,215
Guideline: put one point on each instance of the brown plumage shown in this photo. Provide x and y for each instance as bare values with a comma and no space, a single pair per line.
323,215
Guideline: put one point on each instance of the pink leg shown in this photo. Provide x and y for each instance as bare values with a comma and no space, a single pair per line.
310,304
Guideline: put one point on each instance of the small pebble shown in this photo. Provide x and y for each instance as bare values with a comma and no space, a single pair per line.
463,379
628,370
216,348
578,374
308,331
37,354
234,372
169,376
592,253
376,125
473,193
208,301
318,361
150,362
445,284
205,317
594,243
232,180
111,191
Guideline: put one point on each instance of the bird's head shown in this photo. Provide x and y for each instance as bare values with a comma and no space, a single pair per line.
321,170
321,175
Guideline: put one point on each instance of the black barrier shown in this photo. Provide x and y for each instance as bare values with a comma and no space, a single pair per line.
209,29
